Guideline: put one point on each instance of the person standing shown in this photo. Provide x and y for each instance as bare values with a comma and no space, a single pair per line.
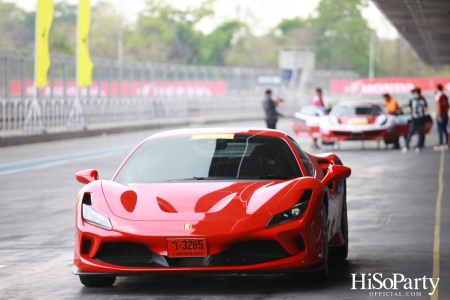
269,106
418,107
391,105
441,101
317,101
392,108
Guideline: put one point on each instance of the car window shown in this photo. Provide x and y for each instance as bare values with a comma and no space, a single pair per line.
310,170
356,110
186,157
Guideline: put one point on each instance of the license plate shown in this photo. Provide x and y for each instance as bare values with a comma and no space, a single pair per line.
187,248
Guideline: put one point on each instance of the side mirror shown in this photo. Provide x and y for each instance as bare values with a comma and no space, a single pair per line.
336,172
87,176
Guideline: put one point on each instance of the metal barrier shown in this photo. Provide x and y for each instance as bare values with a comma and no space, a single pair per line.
108,112
128,79
138,93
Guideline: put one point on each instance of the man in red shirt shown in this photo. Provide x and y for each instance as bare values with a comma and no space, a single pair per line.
441,118
318,102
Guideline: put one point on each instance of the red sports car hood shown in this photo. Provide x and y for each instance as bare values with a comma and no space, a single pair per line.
194,200
360,120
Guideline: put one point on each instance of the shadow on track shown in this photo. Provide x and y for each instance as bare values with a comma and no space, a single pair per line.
206,286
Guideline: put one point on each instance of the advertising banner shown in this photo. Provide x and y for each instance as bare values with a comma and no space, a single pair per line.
128,89
365,86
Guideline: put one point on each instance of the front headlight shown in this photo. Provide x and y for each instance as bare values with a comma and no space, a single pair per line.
95,218
293,213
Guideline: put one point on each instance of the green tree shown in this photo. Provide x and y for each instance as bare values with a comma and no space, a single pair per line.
165,33
106,25
254,51
63,32
342,35
211,50
16,27
287,25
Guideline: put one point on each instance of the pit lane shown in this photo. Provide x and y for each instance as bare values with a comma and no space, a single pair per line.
391,206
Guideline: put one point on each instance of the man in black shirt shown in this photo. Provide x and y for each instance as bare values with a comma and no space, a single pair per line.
418,107
270,109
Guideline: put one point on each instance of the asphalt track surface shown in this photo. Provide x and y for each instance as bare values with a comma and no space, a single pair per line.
392,201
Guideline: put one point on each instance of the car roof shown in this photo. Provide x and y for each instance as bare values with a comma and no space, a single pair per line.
222,130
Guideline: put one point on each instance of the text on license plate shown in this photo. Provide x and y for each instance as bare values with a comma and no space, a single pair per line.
187,248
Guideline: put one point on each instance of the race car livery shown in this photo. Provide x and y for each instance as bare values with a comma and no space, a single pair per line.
353,121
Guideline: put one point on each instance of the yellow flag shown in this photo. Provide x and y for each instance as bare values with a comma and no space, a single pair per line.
84,61
44,20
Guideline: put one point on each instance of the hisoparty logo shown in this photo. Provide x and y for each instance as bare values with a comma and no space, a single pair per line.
398,281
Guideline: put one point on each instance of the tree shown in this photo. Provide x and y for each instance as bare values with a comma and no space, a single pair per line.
16,27
342,35
106,26
253,51
63,32
165,33
287,25
211,50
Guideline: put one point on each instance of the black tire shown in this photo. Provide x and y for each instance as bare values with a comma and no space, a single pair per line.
341,253
97,281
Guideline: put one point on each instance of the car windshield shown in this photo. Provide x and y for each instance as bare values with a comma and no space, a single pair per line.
210,157
356,110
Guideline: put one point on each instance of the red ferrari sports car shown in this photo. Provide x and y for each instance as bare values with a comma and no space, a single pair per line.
212,200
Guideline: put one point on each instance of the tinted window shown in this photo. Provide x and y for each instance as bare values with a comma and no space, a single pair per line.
305,159
359,110
182,158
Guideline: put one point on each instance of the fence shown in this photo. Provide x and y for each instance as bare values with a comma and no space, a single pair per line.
129,93
113,79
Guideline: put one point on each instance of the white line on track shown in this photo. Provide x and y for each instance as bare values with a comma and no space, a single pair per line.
57,160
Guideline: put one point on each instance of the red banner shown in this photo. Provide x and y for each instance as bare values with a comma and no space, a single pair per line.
128,89
365,86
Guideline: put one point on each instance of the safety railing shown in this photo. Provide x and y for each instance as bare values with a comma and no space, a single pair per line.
139,93
117,112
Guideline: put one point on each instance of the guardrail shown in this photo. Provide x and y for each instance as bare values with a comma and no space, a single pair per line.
142,93
115,112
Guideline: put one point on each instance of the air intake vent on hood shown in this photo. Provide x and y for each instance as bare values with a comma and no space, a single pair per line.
166,206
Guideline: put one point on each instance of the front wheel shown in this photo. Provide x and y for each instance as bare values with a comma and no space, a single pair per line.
97,281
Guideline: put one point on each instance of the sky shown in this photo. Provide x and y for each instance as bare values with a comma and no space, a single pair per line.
261,14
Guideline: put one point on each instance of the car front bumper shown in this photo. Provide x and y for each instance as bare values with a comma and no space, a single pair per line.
301,241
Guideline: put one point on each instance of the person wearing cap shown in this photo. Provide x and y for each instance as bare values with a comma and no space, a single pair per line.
391,105
441,101
418,107
269,106
317,101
